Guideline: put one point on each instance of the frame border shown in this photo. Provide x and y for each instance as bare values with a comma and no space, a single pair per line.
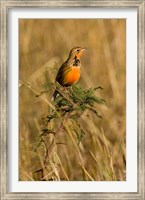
5,5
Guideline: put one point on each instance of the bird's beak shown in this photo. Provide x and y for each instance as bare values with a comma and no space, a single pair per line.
83,49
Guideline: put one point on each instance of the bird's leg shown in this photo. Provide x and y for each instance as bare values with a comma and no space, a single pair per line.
71,89
68,92
64,89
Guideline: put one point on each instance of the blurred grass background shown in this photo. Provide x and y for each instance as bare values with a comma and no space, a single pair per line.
44,44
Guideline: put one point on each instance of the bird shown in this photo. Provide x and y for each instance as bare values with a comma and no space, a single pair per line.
69,73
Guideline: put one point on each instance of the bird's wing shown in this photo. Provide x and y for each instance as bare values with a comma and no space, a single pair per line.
62,70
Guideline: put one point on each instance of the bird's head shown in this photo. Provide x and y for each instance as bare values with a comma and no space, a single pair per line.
76,52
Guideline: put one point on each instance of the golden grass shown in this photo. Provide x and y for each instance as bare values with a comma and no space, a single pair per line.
43,46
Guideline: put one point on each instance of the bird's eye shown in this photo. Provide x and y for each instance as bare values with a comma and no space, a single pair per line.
78,50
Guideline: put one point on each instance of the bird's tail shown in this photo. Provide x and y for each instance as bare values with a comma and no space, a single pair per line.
53,98
54,95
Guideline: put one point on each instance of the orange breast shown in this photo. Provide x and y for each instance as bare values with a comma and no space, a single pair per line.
72,76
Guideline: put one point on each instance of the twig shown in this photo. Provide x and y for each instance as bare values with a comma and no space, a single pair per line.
65,97
48,150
